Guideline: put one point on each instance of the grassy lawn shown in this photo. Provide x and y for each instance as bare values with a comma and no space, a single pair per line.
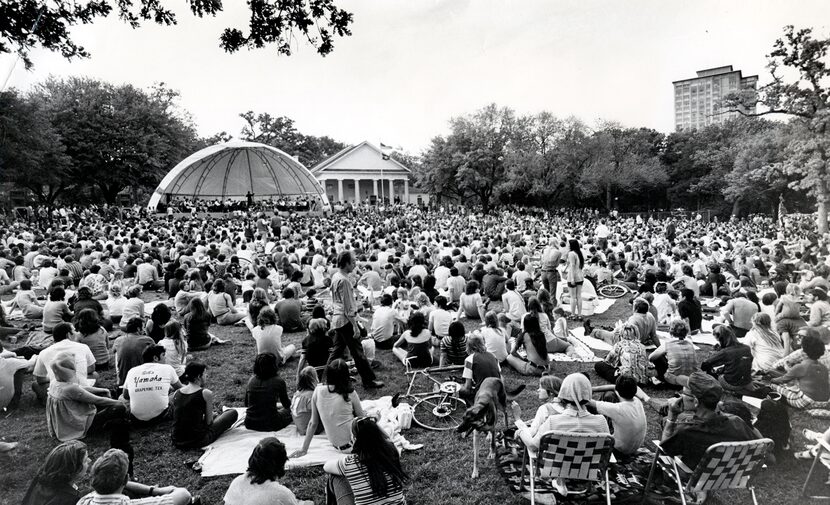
440,471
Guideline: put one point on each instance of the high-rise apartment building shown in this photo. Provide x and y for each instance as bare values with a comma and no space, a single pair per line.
697,101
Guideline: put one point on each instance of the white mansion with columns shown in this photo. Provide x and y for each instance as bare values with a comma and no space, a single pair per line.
360,171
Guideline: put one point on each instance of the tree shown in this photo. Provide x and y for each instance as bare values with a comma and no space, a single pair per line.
281,133
25,24
800,88
624,160
116,136
480,143
757,178
436,174
32,154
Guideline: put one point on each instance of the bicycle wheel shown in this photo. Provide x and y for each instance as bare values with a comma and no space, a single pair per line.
439,412
612,290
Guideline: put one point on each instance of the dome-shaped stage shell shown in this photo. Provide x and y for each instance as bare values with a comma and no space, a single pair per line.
232,169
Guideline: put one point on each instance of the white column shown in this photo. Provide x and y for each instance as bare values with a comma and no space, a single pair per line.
406,190
375,187
339,190
391,191
357,191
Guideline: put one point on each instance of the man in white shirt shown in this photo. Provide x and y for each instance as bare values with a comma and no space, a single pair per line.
513,304
383,323
84,360
602,232
521,275
148,387
147,275
626,414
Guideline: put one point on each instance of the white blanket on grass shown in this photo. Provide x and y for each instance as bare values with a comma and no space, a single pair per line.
582,352
601,305
229,454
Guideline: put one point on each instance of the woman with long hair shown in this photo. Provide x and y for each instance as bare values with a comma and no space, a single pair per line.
335,404
158,319
371,474
415,344
575,278
175,346
766,345
260,483
265,390
90,333
470,304
56,481
194,424
196,323
221,305
259,300
533,340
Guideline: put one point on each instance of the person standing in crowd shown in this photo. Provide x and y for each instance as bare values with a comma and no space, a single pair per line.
575,278
344,321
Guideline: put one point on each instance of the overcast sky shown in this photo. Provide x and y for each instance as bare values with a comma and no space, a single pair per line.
410,65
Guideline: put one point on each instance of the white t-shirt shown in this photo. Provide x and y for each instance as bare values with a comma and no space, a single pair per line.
149,388
495,342
383,323
83,359
629,421
243,492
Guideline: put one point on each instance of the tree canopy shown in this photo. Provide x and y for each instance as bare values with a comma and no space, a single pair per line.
26,24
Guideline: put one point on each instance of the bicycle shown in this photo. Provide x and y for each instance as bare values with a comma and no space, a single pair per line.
439,409
613,290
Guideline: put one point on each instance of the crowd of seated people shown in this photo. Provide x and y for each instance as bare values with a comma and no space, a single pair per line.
81,291
284,203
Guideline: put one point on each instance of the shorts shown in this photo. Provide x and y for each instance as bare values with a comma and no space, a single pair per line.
575,284
789,325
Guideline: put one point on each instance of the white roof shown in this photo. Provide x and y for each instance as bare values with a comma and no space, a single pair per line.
232,169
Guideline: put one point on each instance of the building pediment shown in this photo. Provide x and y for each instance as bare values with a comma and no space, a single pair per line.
364,159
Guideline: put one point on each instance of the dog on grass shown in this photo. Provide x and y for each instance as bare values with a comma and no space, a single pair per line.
482,416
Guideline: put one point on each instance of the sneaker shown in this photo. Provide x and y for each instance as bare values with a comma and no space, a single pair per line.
375,384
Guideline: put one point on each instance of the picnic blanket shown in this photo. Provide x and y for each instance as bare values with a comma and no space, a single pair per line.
229,454
594,343
582,354
627,478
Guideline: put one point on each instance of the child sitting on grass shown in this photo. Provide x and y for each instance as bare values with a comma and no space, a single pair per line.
454,345
301,402
811,377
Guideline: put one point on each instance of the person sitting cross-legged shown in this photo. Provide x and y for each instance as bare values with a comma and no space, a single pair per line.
148,386
811,377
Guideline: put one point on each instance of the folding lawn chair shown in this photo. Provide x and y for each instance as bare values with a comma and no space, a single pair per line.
575,456
727,465
822,446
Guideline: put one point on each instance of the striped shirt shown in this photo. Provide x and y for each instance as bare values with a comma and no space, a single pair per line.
358,477
94,498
